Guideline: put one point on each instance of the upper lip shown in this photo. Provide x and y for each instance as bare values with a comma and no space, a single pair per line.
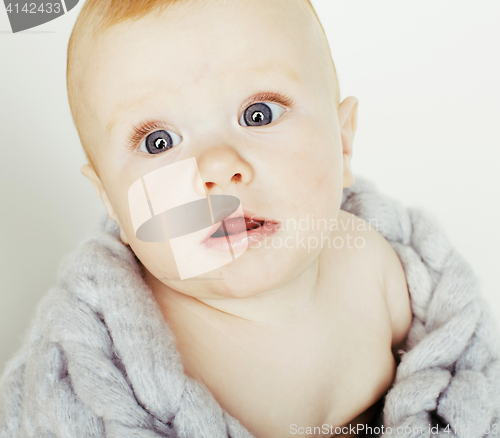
246,213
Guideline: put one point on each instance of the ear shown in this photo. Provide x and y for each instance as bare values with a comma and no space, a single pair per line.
88,171
348,122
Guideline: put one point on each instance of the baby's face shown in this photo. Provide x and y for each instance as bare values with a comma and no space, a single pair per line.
194,72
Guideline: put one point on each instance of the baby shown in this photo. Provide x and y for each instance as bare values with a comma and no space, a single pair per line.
287,337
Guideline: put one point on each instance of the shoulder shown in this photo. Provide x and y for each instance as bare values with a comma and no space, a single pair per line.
395,289
387,267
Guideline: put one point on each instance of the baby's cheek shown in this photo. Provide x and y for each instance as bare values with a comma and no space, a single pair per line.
326,191
326,175
320,182
147,239
157,257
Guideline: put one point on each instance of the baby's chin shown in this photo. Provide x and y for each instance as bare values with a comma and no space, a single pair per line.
271,264
247,276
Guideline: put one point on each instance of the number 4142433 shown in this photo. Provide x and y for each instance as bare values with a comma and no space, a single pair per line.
33,8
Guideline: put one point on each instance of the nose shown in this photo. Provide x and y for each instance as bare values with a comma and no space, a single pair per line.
223,167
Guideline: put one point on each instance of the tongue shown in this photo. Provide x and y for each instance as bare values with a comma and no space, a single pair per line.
236,225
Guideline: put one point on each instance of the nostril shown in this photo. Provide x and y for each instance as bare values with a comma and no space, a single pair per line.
237,177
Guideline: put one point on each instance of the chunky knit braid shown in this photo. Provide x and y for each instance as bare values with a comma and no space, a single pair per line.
100,361
450,372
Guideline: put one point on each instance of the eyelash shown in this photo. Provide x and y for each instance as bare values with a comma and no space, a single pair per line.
139,132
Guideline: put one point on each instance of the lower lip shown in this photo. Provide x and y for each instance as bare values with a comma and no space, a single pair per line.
239,241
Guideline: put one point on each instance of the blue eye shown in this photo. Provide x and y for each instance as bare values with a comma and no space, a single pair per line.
260,114
160,141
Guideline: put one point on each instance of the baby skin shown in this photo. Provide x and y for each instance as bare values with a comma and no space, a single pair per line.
325,360
284,337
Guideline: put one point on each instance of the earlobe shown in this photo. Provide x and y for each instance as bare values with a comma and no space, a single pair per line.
89,172
347,175
348,121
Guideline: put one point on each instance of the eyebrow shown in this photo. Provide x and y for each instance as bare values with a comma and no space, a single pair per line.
276,67
282,69
125,107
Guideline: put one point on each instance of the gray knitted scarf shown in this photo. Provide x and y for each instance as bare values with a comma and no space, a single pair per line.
99,360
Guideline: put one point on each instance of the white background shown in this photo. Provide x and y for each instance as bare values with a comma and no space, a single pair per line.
426,74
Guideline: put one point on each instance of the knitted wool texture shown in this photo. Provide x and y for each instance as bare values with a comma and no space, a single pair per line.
99,360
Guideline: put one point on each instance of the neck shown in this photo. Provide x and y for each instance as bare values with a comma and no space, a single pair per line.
276,306
292,301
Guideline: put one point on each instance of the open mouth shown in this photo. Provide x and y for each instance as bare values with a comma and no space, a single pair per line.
237,225
241,231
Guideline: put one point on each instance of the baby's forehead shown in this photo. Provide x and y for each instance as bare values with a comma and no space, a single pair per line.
218,37
261,37
202,21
